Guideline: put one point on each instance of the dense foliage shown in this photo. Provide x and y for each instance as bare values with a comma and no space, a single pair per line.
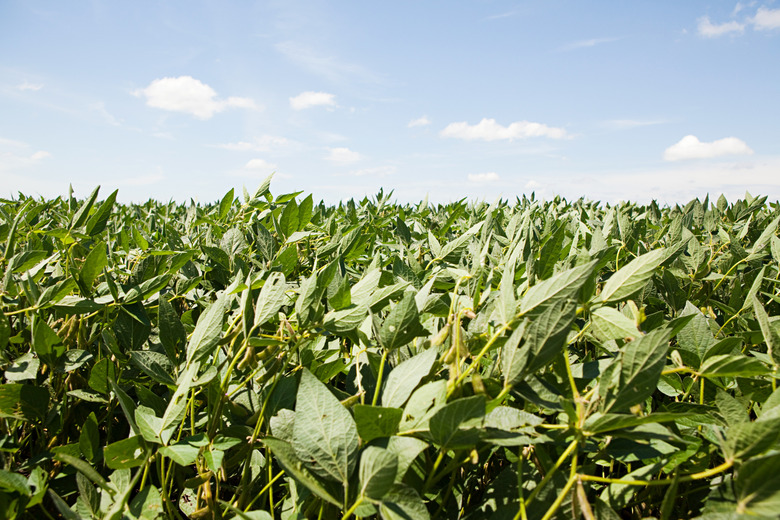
266,357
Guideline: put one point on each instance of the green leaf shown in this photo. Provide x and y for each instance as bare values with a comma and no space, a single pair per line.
446,423
93,265
226,203
632,277
325,436
24,402
286,456
288,221
732,366
83,212
757,487
376,421
545,336
402,502
377,472
85,469
127,453
640,365
404,378
609,323
148,424
182,453
155,365
514,359
89,439
402,324
24,367
424,402
97,222
563,285
272,297
208,330
172,334
46,343
771,336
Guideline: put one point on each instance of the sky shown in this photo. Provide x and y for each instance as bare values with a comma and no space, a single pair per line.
175,100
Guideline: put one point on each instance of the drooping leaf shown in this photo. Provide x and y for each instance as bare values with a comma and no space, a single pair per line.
325,436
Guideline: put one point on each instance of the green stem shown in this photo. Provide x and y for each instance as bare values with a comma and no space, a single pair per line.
661,482
379,377
352,509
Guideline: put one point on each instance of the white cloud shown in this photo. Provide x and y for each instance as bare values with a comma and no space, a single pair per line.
710,30
264,144
379,171
766,19
100,108
689,147
489,130
189,95
420,121
484,177
312,99
29,86
532,184
587,43
41,154
259,164
342,156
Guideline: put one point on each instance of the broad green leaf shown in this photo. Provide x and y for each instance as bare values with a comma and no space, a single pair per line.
640,365
406,449
226,203
402,324
376,421
609,323
83,212
757,487
272,297
325,436
148,424
402,502
147,504
545,336
182,453
770,334
288,221
732,366
286,456
155,365
93,265
89,439
97,222
345,320
172,334
563,285
404,378
446,423
514,359
630,278
377,472
208,330
46,343
23,368
127,453
24,402
766,235
423,403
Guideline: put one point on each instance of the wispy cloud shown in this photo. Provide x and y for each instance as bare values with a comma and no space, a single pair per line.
420,121
499,16
312,99
342,156
190,96
581,44
264,144
710,30
100,108
29,86
689,147
483,178
377,171
324,65
489,130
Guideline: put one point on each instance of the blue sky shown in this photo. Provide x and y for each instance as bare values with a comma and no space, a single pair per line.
177,100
